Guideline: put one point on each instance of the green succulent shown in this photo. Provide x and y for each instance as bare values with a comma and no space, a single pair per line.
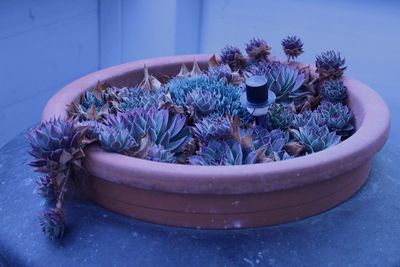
158,153
334,91
140,98
279,116
330,65
213,127
337,116
202,102
53,224
316,138
292,46
232,56
227,153
117,140
258,49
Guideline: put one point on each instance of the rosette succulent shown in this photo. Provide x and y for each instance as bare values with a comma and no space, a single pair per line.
232,56
162,128
316,138
330,65
160,154
213,127
133,98
117,140
334,91
292,46
53,224
55,144
46,187
227,96
279,116
285,81
224,72
337,117
308,117
257,49
202,102
227,153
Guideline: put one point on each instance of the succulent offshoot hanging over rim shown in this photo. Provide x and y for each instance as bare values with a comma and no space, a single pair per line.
257,49
198,117
292,47
330,65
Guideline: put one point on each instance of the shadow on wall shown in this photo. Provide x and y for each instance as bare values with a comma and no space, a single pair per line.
47,44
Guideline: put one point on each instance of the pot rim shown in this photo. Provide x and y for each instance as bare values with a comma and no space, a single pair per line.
373,125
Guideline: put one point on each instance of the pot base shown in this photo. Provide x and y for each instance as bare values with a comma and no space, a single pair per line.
228,211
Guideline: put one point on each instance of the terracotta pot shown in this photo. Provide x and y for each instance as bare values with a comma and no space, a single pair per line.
228,196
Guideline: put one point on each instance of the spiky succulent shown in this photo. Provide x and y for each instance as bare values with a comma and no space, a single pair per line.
257,49
56,143
330,65
202,102
308,117
279,116
117,140
274,142
316,138
46,187
224,72
292,46
158,153
227,96
162,128
334,91
228,152
53,224
133,98
337,116
284,80
213,127
232,56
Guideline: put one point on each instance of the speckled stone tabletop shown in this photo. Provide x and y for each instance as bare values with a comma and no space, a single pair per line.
363,231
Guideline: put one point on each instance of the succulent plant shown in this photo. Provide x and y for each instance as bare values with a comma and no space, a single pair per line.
316,138
330,65
117,140
227,96
213,127
53,224
279,116
46,187
292,46
55,144
202,102
158,153
337,117
257,49
228,152
224,72
274,142
232,56
334,91
308,117
168,130
140,98
284,80
162,128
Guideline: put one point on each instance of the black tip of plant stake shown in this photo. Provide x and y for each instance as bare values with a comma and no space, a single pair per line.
257,94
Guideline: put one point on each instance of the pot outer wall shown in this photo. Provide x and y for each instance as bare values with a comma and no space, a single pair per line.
220,197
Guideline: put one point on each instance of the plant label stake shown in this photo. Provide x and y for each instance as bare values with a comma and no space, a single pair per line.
257,98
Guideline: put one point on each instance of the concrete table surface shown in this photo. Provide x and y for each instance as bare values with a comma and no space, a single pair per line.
363,231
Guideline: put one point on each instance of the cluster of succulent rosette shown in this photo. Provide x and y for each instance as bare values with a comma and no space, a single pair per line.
197,118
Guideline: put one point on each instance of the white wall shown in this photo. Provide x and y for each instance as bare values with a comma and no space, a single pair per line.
43,46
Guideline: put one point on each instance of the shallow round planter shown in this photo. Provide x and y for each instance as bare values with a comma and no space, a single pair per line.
227,196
